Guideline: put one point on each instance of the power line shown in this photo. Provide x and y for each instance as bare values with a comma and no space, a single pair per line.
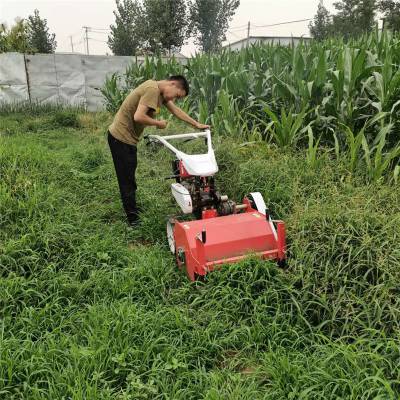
98,32
97,40
76,33
248,26
75,43
86,38
282,23
240,27
239,30
234,34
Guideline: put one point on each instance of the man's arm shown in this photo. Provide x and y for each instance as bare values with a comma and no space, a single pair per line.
142,117
175,110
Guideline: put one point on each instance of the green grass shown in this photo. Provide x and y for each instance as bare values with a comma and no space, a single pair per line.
92,310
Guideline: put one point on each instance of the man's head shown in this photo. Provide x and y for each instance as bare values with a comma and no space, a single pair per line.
176,87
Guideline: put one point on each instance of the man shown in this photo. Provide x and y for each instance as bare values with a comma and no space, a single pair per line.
136,112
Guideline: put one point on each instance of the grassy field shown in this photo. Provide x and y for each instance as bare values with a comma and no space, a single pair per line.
93,310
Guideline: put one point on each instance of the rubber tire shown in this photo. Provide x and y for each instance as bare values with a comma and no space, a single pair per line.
170,237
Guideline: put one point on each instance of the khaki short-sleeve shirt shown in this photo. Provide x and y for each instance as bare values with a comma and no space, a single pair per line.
124,127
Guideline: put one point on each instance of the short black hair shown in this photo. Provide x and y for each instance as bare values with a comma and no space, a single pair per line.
182,80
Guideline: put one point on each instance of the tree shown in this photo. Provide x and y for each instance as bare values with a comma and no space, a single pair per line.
321,26
391,12
210,20
354,17
166,24
3,38
15,38
39,38
126,35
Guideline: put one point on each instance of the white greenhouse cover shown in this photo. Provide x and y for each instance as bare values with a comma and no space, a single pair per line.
71,79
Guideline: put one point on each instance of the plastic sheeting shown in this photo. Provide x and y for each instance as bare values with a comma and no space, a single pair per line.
72,79
13,84
96,69
56,78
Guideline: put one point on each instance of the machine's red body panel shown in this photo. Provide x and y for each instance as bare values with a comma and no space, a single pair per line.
203,244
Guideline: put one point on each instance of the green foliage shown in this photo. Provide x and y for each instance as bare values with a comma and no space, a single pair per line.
354,17
35,108
66,118
312,149
92,310
27,36
210,21
39,38
285,129
126,36
166,23
377,160
321,26
148,26
328,84
112,93
391,11
15,38
3,38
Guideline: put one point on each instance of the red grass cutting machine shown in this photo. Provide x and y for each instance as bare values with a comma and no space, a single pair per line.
222,231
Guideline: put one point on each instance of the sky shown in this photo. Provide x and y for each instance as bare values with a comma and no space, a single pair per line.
66,18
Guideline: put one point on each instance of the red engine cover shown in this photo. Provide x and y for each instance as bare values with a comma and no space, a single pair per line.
227,239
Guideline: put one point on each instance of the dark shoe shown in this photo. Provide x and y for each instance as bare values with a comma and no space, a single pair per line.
139,209
133,218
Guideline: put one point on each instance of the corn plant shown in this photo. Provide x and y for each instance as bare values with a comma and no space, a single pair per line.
312,148
354,141
113,94
396,173
377,160
225,118
345,83
284,129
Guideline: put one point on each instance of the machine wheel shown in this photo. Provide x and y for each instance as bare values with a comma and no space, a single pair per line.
257,202
283,264
170,235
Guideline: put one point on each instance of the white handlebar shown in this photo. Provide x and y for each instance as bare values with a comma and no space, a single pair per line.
194,135
165,140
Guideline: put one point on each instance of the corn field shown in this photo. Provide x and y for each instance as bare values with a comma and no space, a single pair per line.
331,96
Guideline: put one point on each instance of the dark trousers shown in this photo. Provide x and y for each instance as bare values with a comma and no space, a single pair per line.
125,163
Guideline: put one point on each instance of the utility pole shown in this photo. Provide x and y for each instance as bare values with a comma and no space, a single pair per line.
86,28
72,45
248,34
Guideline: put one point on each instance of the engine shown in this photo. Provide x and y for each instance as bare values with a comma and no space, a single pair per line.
195,194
